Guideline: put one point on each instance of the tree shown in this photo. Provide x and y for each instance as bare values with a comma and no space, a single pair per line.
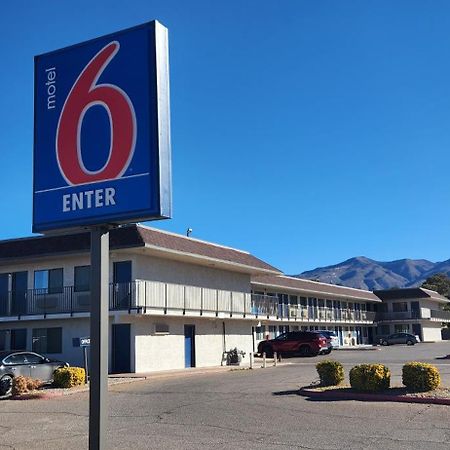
438,282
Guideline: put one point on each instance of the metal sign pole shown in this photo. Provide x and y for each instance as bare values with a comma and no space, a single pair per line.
98,387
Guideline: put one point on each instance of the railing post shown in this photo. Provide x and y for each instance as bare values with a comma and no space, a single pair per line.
165,298
217,302
145,297
264,360
275,358
201,301
72,291
231,304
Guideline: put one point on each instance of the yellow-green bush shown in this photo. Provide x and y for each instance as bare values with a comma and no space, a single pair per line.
370,377
68,377
331,373
23,385
420,377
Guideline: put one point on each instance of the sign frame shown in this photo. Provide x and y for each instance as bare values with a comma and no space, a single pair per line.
158,203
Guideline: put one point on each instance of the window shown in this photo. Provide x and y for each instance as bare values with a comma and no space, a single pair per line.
47,340
19,339
31,358
383,330
400,307
161,328
401,328
3,340
15,359
82,278
49,281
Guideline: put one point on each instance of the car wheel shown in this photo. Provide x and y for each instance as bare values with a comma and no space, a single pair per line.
267,349
304,350
384,342
409,342
327,352
6,384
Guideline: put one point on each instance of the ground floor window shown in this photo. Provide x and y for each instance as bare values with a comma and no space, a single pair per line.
2,340
401,328
19,339
383,330
272,332
260,332
47,340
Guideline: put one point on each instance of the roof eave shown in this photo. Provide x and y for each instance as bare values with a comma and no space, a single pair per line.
310,291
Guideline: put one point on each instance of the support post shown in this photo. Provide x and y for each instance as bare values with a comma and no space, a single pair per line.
86,366
275,359
264,360
98,386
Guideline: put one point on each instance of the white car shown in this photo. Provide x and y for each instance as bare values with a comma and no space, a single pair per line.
332,336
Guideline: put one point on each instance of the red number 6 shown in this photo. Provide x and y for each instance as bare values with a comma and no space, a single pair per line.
84,94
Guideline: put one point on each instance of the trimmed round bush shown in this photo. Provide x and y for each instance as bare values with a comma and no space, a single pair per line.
420,377
68,377
370,377
331,373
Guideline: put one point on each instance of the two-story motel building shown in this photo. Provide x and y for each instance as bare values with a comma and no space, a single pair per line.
174,301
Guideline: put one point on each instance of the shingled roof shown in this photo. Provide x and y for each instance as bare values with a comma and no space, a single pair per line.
132,236
313,288
408,293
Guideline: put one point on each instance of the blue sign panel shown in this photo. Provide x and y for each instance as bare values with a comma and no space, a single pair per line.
102,132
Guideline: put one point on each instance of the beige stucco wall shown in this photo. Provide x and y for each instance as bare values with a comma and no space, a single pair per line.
164,352
68,263
148,267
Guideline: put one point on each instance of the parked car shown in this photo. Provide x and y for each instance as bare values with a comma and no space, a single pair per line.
28,364
399,338
332,336
305,343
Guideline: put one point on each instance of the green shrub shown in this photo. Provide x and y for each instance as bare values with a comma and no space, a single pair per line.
68,377
370,377
420,377
331,373
23,385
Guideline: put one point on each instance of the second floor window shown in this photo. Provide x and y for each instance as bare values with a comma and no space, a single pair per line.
49,281
82,278
400,307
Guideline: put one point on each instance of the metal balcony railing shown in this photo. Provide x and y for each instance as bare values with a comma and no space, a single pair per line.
404,315
144,296
440,315
423,313
67,299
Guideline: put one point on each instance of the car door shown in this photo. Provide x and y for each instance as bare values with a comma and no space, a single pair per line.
39,368
17,365
281,343
396,339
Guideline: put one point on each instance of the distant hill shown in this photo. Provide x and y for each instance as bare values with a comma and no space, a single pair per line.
365,273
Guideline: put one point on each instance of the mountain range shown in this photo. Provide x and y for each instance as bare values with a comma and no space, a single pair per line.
365,273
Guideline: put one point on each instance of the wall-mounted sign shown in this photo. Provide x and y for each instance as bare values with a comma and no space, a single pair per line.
102,131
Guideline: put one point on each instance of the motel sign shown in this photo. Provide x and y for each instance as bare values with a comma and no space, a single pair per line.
102,133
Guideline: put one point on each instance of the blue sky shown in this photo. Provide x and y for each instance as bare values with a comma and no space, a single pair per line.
304,132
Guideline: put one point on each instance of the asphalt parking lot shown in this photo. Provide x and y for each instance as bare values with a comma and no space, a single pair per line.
239,409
